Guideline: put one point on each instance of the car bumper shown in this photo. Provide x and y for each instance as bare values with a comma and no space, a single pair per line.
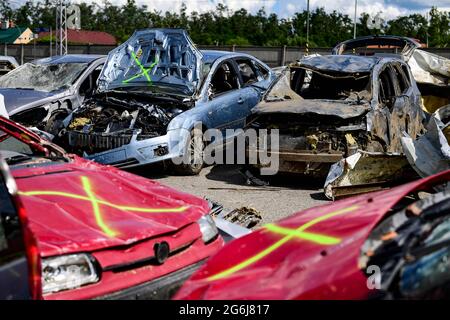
298,161
160,289
141,152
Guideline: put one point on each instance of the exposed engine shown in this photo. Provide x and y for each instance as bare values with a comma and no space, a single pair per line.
110,123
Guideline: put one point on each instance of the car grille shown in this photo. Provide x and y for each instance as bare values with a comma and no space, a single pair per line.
97,142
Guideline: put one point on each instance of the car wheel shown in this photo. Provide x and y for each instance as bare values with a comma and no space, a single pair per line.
194,155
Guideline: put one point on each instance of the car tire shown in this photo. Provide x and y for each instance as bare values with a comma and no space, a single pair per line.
194,153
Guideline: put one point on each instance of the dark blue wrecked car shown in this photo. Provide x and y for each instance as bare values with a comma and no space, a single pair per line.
151,92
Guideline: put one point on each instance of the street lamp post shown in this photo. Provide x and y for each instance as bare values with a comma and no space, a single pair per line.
354,21
307,27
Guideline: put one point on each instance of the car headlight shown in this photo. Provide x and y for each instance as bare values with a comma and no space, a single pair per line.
67,272
207,228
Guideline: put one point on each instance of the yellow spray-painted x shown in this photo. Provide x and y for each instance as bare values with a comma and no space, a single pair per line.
95,202
289,234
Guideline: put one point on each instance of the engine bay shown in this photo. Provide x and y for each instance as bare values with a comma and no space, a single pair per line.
114,116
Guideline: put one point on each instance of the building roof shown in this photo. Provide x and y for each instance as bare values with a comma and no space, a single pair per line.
11,34
86,37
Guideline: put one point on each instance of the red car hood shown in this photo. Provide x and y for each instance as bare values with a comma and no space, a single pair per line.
311,255
82,206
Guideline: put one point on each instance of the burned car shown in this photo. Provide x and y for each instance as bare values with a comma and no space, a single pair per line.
102,232
152,91
327,108
430,152
7,64
390,244
43,92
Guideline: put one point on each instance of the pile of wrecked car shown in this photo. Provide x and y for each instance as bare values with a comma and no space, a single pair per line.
361,121
352,118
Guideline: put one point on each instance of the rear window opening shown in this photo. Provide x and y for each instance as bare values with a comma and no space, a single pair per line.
311,84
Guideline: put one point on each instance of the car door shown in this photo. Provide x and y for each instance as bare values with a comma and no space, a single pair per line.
13,256
227,101
254,82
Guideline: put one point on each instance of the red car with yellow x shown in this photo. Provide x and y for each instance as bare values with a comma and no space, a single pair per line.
102,232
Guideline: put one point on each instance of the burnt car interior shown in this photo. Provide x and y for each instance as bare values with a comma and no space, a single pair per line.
411,246
311,84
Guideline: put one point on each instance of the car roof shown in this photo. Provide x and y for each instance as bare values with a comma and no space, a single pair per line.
70,58
209,56
342,63
10,59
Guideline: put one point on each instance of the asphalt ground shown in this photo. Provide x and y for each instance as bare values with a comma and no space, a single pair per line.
227,185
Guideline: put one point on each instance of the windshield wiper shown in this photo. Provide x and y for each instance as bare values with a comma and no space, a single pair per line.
17,159
20,88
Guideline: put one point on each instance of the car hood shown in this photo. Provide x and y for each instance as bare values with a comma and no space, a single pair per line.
162,60
341,109
16,98
311,255
82,206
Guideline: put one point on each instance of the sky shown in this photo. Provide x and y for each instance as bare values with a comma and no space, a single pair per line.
284,8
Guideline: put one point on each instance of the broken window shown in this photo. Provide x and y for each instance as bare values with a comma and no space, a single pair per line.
43,77
87,87
224,79
402,79
386,88
247,72
311,84
263,71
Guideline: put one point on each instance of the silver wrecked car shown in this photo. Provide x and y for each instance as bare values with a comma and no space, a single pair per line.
153,90
42,92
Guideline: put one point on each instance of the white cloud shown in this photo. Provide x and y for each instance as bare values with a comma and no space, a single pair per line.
286,8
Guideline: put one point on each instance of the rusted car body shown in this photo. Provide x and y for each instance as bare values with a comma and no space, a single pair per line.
327,108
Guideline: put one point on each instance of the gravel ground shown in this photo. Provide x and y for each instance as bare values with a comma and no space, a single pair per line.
226,184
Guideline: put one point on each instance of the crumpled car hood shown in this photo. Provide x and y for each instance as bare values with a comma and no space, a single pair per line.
310,255
61,202
16,98
162,60
321,107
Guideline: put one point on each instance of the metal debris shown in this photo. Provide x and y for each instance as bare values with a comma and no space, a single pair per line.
430,153
364,172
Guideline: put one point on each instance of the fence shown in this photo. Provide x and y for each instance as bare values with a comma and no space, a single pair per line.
273,56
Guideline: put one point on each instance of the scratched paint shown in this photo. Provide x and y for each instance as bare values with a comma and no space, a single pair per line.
289,235
96,202
144,70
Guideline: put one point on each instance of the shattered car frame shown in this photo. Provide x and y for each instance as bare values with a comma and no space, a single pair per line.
430,152
42,92
327,108
153,90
